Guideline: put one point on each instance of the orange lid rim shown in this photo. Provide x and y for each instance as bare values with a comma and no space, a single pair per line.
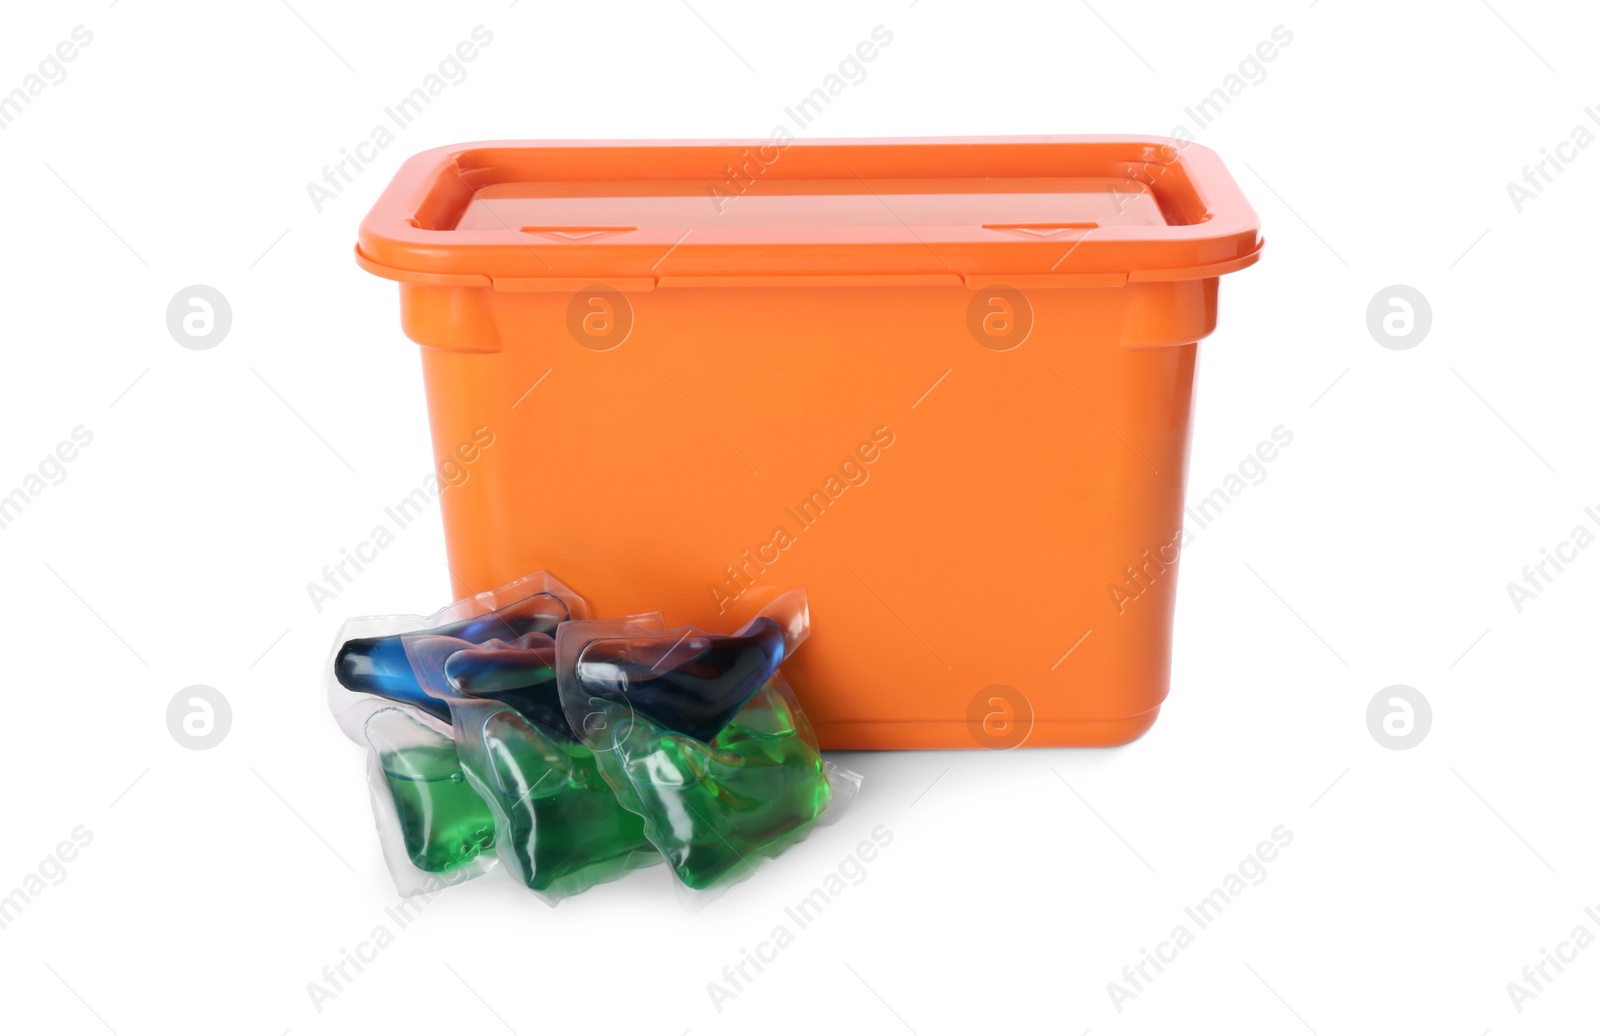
412,235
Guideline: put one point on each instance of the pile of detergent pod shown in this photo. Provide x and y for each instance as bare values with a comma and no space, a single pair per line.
510,729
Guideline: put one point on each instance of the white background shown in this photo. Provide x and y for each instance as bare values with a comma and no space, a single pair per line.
177,550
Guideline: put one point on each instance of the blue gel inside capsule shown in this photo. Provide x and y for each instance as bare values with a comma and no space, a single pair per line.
522,676
690,683
378,665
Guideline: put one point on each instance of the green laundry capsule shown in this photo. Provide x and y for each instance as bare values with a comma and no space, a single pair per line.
715,810
443,821
559,826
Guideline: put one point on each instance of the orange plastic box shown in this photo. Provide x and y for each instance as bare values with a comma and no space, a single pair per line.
943,385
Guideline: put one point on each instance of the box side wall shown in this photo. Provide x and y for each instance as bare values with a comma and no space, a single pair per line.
980,491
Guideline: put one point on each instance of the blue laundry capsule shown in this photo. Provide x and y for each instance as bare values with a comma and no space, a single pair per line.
690,683
378,665
521,675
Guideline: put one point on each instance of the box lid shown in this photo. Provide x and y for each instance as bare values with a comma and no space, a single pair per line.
1027,211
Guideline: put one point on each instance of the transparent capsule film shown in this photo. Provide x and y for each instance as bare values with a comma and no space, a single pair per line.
575,751
370,659
717,795
434,828
370,666
558,828
685,680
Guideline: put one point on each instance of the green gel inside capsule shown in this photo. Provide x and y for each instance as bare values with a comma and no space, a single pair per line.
563,825
443,822
715,810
